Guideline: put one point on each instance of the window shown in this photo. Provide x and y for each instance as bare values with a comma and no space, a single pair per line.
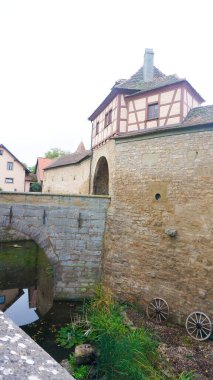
97,128
1,152
153,111
9,165
108,118
8,180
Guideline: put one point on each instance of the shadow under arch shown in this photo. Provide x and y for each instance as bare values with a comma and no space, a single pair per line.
36,234
101,177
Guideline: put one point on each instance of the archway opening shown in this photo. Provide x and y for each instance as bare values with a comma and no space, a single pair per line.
26,277
101,177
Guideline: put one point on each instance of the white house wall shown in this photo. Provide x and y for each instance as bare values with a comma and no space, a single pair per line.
105,132
17,174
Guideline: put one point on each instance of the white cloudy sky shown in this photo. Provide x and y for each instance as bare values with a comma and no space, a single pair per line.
59,59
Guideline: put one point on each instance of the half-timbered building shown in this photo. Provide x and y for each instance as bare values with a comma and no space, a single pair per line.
152,152
149,99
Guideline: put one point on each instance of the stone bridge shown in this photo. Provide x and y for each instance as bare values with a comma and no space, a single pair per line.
70,229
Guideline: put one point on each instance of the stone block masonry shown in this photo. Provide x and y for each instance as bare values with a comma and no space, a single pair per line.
22,359
70,229
162,183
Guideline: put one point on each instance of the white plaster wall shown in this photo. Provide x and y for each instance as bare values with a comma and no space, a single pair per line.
70,179
18,173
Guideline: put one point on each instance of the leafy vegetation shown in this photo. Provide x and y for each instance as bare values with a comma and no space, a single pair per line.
35,187
81,372
71,335
124,353
55,152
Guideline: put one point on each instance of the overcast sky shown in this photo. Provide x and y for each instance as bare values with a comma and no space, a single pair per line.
59,59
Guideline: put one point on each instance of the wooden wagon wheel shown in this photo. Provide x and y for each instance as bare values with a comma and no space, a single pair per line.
198,325
158,310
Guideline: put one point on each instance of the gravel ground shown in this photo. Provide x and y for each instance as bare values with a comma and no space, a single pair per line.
178,350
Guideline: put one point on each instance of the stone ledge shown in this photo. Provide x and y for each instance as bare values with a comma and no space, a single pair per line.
54,195
21,358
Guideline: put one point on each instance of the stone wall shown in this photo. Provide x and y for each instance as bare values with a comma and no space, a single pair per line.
6,234
108,151
162,181
70,230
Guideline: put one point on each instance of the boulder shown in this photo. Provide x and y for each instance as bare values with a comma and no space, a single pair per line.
84,354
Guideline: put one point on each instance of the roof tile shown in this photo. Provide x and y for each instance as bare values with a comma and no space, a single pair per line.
199,115
136,81
70,159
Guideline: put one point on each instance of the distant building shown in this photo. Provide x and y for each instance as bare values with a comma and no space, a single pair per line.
39,168
69,174
30,178
12,172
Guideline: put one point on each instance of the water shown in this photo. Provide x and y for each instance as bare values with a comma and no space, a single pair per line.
20,312
26,295
26,282
44,331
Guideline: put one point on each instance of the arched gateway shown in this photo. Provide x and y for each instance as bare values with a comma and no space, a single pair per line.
101,177
34,233
70,231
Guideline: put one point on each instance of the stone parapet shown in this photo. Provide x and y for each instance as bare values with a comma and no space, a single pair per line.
70,229
22,359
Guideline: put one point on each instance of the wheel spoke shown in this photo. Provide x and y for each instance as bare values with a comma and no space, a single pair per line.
152,306
158,310
192,323
204,332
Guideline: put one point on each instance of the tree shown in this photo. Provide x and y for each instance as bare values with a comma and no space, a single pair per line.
31,168
55,152
35,187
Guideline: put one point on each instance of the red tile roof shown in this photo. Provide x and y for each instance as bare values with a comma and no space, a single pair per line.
41,164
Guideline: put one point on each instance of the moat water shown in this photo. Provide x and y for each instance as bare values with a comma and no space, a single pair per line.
26,295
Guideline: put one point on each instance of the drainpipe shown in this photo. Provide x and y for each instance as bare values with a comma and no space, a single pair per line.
90,169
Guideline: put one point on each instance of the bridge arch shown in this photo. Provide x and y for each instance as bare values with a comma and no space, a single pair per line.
101,177
36,234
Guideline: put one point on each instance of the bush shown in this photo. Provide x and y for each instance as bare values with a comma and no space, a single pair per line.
72,334
35,187
81,372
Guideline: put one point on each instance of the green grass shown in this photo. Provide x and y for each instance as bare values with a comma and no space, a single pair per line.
123,353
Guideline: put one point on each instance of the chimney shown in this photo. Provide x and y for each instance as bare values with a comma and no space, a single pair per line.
148,65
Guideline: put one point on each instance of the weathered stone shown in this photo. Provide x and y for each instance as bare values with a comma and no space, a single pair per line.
84,354
171,232
21,358
65,364
136,245
74,252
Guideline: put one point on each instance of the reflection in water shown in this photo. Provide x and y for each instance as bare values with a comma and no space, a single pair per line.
26,282
21,312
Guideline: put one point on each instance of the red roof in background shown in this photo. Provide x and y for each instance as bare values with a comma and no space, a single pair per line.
41,164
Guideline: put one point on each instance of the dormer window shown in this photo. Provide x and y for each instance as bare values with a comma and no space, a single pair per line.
153,111
108,118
